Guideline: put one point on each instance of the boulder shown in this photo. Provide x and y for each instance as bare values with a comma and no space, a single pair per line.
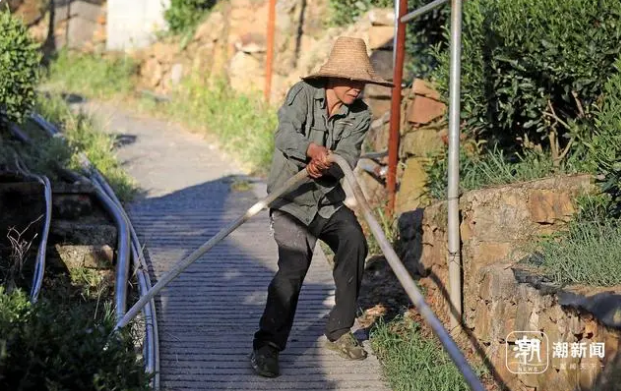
90,257
381,37
423,110
423,88
421,143
246,73
251,43
412,186
382,17
211,29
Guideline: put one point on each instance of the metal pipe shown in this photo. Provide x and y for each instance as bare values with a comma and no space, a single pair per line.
422,10
269,55
395,112
454,258
37,279
19,134
406,280
152,363
122,264
399,269
39,272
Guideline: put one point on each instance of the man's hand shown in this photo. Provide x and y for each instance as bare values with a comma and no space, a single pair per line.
313,171
319,160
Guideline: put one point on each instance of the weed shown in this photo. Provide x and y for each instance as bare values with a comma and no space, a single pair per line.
19,250
240,185
589,253
412,362
243,124
489,169
389,227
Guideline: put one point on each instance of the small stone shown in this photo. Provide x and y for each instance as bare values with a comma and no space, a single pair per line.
379,17
176,73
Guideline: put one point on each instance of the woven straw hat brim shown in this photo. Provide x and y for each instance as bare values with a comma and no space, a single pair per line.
349,60
373,80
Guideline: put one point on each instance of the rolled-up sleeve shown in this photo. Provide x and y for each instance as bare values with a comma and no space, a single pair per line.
349,146
289,138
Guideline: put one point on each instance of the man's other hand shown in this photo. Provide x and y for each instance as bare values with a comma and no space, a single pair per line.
314,171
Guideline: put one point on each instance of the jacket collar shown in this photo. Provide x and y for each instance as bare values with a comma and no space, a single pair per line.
320,95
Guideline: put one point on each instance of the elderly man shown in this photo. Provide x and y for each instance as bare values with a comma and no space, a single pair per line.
321,113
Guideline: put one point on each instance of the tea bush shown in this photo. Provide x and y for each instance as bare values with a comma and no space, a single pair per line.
532,70
56,347
19,61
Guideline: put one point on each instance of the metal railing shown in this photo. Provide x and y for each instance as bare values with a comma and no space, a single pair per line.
454,256
395,263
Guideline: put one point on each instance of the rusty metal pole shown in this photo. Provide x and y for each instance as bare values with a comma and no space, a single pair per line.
395,109
269,55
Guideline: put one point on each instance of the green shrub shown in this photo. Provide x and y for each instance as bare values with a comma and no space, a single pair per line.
19,61
531,70
343,12
424,35
599,148
51,347
184,15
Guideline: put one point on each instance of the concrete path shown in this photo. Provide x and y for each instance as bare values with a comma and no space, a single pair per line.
208,315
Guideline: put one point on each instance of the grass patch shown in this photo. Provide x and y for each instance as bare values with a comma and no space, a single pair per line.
589,253
83,134
489,169
91,75
412,362
243,124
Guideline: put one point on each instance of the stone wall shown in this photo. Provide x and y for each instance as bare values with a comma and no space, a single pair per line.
500,295
231,44
73,24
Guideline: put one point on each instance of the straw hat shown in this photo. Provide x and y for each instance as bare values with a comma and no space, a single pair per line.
349,60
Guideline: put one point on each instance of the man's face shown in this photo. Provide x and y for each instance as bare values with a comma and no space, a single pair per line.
347,91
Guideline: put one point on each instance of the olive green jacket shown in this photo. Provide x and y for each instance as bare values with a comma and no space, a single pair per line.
303,119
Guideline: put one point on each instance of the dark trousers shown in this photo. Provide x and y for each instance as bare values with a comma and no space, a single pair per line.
296,243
